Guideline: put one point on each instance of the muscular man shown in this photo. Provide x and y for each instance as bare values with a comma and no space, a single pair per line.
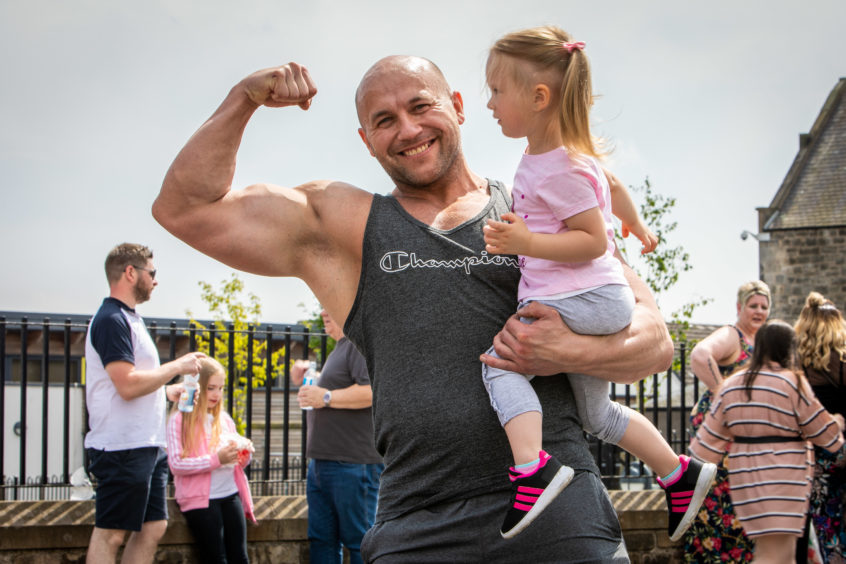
125,397
408,279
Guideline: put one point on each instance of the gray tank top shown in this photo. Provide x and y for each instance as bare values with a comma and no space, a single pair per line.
429,302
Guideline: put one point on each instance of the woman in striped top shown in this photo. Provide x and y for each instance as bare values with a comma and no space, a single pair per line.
769,413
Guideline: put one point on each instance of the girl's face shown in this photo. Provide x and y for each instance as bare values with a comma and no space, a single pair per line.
755,312
509,103
214,389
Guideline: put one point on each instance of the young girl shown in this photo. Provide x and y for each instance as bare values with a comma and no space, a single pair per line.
561,227
768,413
207,459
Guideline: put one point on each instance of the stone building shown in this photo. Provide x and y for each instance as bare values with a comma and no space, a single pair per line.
802,233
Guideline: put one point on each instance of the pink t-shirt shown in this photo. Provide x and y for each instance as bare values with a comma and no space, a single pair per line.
549,188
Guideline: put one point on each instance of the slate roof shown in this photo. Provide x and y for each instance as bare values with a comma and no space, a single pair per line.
813,193
698,331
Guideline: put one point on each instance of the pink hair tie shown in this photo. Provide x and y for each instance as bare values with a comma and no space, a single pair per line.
578,45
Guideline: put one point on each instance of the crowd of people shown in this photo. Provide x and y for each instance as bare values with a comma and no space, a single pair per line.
772,418
415,285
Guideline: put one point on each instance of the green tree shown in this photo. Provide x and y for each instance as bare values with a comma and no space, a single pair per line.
663,266
227,307
314,321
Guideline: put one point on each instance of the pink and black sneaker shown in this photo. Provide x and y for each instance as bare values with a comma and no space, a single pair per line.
685,495
532,493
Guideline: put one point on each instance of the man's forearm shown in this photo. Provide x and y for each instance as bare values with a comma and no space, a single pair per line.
643,348
132,383
143,382
626,357
547,346
356,396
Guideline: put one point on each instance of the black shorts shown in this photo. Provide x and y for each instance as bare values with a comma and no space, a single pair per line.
131,486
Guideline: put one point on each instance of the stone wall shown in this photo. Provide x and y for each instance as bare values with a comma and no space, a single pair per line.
54,532
57,532
796,262
643,517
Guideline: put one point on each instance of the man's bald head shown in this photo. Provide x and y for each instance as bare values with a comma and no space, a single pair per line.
398,65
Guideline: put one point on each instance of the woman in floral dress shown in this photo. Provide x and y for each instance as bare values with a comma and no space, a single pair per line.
716,535
822,353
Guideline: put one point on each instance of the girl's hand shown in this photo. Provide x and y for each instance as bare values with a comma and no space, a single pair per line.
509,236
173,391
244,453
644,234
228,453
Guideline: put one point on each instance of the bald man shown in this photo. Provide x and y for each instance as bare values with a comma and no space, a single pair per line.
407,277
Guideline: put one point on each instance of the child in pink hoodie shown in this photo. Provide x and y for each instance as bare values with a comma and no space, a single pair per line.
207,459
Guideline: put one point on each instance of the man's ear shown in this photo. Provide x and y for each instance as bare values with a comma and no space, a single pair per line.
541,96
366,142
458,105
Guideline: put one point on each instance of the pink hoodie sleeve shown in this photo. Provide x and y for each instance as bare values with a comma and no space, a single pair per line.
179,465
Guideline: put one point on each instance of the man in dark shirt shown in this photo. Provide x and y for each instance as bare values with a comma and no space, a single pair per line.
344,467
125,397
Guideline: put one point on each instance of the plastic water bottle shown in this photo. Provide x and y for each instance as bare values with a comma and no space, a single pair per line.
186,400
309,377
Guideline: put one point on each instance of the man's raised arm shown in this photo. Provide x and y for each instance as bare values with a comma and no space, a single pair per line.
255,229
547,346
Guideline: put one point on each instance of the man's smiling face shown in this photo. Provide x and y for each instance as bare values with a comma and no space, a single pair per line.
410,121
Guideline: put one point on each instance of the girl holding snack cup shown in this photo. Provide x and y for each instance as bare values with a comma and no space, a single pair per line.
207,458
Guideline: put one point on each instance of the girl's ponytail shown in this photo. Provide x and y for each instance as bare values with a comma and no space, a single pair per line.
554,58
576,101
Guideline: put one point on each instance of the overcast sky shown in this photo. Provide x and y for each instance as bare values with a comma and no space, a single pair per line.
707,99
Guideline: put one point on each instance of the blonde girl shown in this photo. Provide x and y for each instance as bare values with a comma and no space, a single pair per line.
561,227
207,459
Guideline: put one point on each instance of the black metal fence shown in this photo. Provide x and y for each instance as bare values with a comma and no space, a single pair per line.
43,416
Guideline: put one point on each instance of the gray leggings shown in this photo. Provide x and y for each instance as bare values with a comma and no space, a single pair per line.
602,311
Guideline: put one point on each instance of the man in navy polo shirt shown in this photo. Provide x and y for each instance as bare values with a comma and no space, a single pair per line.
125,395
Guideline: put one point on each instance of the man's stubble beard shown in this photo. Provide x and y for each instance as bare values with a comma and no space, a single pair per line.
142,294
403,176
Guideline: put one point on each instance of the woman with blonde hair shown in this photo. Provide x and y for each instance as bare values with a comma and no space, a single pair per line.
207,458
822,353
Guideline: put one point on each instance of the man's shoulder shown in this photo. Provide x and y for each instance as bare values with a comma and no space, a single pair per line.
336,193
110,316
340,208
